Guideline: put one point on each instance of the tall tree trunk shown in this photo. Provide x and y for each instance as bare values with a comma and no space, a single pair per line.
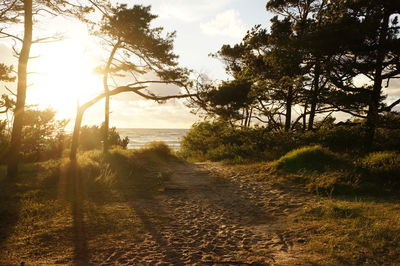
314,95
76,133
305,116
250,116
246,117
16,135
373,109
289,103
107,99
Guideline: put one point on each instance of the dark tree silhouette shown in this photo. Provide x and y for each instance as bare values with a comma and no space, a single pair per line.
6,102
369,48
135,88
11,12
136,49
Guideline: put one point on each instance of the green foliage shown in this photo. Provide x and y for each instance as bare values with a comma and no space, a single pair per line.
132,27
5,73
311,158
43,135
159,148
6,103
4,139
382,167
227,100
129,30
91,137
219,141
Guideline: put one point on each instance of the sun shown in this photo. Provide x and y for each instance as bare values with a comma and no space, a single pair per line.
63,76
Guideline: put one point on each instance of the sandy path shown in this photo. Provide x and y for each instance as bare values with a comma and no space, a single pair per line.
204,218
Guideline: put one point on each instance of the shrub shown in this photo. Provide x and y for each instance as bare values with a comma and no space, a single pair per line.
220,141
91,137
382,166
4,140
310,158
159,148
338,138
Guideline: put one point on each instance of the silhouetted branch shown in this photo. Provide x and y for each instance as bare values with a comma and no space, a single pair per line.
3,12
390,107
8,35
48,39
10,91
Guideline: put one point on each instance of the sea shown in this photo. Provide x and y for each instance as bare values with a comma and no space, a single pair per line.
139,137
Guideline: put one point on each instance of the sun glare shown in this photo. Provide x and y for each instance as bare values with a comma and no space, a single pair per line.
64,75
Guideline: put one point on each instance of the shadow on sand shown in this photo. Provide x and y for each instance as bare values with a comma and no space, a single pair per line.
9,211
81,251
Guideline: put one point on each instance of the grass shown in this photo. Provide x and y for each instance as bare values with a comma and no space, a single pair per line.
55,211
350,233
382,166
46,213
310,158
344,229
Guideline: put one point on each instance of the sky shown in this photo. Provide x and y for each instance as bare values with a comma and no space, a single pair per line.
62,75
64,69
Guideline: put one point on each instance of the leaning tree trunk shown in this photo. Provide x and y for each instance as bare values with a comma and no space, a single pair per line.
375,96
81,110
16,135
314,96
107,99
289,103
76,133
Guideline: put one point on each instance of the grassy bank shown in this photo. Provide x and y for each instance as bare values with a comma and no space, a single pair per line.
54,210
358,226
356,220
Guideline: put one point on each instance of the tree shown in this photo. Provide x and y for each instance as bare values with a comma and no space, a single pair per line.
369,49
272,61
311,24
136,49
6,103
230,100
134,87
91,137
22,73
10,12
41,132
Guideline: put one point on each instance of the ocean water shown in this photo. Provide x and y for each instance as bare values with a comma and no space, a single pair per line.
139,137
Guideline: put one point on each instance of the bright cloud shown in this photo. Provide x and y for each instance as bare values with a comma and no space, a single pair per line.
226,24
189,11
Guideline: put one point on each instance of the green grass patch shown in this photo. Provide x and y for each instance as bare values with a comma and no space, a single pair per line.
350,233
54,212
310,158
382,166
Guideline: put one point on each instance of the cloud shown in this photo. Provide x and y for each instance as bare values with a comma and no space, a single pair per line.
226,24
190,11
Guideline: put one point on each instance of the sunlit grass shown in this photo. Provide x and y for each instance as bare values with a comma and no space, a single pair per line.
350,232
41,212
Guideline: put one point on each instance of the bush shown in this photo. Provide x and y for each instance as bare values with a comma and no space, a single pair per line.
382,166
4,140
337,138
310,158
218,141
91,137
158,148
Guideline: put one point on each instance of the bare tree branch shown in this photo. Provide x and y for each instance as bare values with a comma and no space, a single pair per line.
8,35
